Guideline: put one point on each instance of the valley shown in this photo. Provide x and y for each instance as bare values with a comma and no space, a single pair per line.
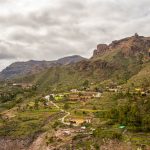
90,104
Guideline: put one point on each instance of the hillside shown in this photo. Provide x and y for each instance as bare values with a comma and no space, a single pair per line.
97,103
20,69
116,62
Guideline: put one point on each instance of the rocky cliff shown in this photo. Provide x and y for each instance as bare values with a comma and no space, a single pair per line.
129,46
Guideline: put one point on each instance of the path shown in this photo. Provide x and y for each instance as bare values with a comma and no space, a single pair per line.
39,144
63,118
62,110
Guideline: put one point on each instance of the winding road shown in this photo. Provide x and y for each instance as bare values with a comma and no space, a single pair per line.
62,110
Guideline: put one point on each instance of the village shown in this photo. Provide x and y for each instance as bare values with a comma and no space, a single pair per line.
79,124
77,110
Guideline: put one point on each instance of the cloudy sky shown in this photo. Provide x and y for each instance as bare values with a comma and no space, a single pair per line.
50,29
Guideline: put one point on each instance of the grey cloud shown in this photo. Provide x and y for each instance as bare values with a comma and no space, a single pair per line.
4,1
5,52
6,55
71,27
15,51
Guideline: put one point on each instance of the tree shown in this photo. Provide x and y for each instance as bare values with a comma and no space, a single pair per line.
140,58
86,83
96,89
94,108
44,103
36,104
146,123
65,98
66,106
52,97
80,94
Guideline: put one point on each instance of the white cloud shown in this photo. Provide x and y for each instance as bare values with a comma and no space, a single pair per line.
46,29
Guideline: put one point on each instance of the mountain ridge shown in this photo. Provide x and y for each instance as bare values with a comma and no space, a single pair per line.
129,46
125,59
118,61
34,66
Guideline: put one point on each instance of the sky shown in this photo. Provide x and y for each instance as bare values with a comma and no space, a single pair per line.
51,29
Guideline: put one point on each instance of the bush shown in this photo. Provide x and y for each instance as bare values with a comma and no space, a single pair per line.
99,133
116,135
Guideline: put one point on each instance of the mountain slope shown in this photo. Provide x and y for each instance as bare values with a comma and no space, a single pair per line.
142,78
117,62
20,69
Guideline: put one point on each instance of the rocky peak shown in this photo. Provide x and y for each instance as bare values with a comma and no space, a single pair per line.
136,35
101,49
128,46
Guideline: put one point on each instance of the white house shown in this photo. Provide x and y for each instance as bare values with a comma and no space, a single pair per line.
47,97
83,128
98,95
113,90
74,90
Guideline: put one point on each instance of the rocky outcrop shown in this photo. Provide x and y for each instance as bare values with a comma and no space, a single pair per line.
101,49
128,46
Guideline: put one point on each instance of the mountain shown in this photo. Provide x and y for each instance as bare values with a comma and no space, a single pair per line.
70,60
121,61
31,67
128,46
123,65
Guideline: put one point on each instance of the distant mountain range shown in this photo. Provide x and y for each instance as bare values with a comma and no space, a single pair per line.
125,61
18,69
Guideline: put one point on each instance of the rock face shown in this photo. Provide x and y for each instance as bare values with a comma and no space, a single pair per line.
32,67
101,49
128,46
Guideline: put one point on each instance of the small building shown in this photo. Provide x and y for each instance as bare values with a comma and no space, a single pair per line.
23,85
47,97
85,97
88,120
98,95
143,93
91,94
83,128
77,121
74,91
74,97
66,132
113,90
